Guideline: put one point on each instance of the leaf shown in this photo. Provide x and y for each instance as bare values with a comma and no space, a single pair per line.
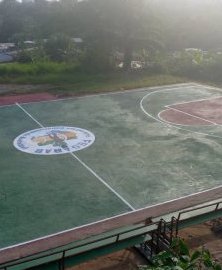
183,248
178,268
175,243
195,255
208,262
217,267
185,258
192,266
165,255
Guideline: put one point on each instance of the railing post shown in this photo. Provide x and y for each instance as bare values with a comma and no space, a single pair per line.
217,206
171,229
62,262
117,238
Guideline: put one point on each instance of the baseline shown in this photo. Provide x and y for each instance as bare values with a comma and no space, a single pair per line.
193,101
143,89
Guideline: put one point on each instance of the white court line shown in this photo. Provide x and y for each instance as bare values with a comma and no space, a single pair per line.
102,181
193,101
116,216
143,89
83,163
165,123
172,123
207,86
37,122
126,213
194,116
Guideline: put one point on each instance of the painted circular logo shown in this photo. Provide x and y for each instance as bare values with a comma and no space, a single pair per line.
54,140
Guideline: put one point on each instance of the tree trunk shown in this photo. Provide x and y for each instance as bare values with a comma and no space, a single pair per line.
128,54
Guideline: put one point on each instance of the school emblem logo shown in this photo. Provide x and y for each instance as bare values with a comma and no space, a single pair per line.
54,140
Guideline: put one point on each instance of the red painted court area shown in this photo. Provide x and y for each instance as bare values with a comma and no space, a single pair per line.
201,112
25,98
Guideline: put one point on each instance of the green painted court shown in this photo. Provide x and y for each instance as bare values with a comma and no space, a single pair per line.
151,146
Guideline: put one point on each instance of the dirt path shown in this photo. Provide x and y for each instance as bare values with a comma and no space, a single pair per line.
129,259
208,235
23,88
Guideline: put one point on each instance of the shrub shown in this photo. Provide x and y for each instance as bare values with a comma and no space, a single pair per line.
180,258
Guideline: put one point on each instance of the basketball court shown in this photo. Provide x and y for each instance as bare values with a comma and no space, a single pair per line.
70,163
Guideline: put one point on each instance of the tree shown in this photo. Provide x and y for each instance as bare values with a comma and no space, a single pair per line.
11,23
60,47
123,25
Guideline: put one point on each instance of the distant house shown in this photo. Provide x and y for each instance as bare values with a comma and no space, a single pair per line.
4,58
77,40
193,50
5,47
29,42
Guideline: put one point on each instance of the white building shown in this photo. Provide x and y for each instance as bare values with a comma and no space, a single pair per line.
4,47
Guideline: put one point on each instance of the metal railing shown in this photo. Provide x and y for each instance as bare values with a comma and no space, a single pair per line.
140,230
158,233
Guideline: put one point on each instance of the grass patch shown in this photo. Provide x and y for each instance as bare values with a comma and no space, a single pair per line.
14,71
67,79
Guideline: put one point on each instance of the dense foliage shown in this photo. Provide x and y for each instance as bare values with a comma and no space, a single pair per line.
106,28
180,258
190,23
118,34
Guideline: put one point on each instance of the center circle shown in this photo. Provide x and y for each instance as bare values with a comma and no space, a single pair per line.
54,140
